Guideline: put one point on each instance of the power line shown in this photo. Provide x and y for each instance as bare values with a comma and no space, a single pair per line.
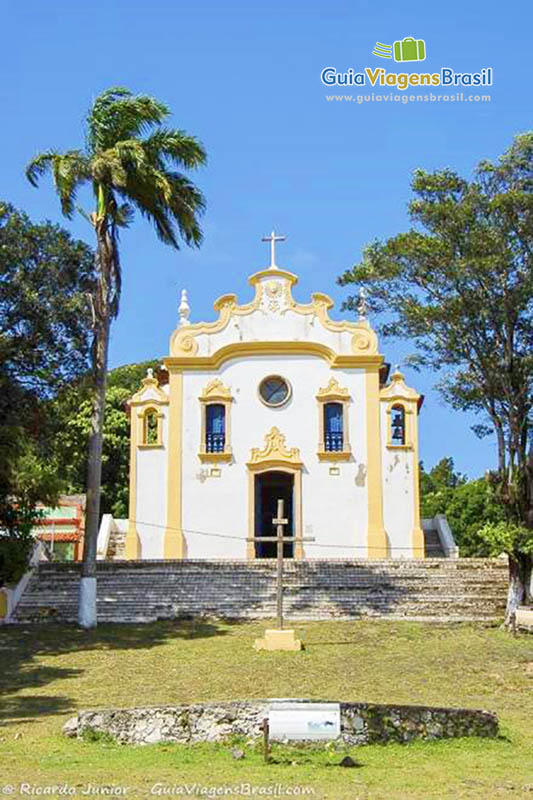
244,539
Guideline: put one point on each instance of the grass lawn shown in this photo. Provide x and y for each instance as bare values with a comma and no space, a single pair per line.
48,672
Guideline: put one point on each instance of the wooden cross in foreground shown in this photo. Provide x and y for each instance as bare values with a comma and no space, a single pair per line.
280,539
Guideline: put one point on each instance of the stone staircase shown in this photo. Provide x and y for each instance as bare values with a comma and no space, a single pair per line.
116,548
436,590
432,544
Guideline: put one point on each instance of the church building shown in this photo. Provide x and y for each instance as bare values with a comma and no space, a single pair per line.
274,400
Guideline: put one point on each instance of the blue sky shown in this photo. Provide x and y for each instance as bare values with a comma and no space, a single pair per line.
245,78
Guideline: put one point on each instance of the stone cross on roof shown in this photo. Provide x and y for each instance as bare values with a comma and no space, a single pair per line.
273,239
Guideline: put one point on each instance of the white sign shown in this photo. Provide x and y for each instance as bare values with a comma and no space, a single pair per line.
289,720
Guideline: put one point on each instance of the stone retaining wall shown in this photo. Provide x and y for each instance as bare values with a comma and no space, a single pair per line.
361,723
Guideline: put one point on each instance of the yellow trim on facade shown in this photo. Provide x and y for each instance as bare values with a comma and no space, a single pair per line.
257,277
280,466
4,604
241,349
150,408
132,543
275,455
273,292
333,393
214,458
149,383
377,540
274,451
417,536
173,539
398,393
334,455
215,392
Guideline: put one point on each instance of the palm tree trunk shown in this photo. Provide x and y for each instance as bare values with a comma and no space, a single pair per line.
87,614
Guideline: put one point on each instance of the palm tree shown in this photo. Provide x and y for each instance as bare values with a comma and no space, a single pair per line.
130,161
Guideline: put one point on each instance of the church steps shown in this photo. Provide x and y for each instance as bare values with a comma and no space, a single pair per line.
431,590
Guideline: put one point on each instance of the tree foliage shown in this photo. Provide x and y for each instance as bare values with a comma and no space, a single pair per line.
45,277
468,505
130,161
72,412
460,284
45,334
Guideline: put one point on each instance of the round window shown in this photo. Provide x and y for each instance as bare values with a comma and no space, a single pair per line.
274,390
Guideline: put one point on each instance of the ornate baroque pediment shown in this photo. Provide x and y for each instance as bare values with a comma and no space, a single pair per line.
333,392
398,389
273,297
275,450
215,390
150,392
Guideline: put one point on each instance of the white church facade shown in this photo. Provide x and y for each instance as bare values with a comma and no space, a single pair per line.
274,400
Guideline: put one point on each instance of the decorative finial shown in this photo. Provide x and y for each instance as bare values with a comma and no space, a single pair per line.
149,380
362,305
397,372
184,309
273,239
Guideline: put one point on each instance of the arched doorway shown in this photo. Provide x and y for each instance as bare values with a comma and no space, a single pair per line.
269,487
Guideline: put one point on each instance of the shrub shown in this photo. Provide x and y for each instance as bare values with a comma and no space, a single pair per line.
15,553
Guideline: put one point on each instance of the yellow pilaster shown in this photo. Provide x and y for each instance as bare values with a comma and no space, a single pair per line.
132,545
4,605
417,536
174,542
377,537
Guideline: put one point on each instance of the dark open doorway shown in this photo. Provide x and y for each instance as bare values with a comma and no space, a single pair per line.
269,488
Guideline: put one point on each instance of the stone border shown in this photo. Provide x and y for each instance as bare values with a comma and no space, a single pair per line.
361,723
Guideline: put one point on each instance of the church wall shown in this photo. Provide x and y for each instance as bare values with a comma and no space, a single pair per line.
334,507
398,493
152,497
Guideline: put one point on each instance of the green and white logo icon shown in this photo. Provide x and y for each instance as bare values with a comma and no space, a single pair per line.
407,49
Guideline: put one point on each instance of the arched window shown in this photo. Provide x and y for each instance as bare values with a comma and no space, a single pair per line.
333,427
215,438
215,428
397,426
333,422
151,427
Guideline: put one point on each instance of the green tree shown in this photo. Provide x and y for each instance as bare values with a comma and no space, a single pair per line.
130,162
467,505
460,284
45,335
72,412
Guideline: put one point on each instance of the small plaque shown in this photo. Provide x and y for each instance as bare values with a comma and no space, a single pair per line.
334,471
215,472
298,721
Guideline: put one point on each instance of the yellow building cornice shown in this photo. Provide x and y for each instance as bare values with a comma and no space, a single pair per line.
240,349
